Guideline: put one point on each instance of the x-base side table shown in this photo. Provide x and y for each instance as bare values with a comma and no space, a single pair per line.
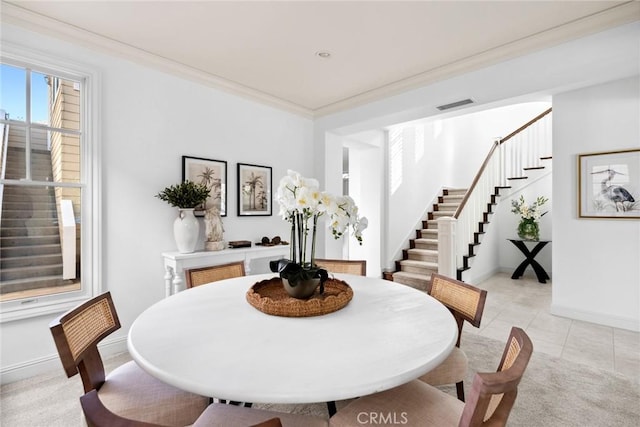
530,255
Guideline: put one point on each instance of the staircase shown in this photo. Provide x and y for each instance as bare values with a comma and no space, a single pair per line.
470,210
30,251
421,259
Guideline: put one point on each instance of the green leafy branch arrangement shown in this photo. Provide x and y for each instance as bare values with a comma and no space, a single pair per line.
186,195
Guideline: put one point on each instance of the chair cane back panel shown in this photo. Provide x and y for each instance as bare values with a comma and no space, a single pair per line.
511,354
88,326
356,267
468,301
200,276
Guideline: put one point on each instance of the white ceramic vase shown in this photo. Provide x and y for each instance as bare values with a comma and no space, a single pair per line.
185,231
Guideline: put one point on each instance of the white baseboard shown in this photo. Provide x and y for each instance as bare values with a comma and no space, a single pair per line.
598,318
42,365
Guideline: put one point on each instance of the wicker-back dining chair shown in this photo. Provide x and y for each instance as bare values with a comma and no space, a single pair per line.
466,302
490,401
127,390
220,415
213,273
347,266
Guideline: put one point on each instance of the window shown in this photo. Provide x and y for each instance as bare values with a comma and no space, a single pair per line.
48,186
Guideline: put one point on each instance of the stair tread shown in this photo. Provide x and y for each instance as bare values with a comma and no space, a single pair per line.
429,231
20,257
33,280
29,268
419,263
46,245
412,275
423,251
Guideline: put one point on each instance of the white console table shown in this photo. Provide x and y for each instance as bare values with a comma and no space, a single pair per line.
175,262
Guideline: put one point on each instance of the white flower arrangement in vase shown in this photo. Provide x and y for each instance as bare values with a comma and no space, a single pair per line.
302,204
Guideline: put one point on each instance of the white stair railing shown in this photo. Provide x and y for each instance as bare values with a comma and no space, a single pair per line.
527,145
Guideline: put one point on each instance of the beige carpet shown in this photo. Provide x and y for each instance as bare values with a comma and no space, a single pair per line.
554,392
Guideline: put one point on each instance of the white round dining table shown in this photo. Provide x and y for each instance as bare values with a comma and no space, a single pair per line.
209,340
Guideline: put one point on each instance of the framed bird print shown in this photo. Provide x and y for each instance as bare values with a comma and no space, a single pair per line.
609,184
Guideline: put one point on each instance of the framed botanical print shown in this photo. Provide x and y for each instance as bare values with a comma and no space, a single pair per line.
609,184
254,190
213,174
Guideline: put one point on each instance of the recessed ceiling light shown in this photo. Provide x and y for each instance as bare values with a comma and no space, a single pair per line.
323,54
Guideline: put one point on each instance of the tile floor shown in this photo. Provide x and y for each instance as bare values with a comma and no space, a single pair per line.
526,303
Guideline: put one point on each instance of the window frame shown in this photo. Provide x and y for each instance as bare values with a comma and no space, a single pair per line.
90,182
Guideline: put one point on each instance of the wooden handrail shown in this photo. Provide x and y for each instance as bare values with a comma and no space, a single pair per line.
476,179
486,160
523,127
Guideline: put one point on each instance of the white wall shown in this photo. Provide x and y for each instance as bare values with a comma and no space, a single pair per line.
596,261
366,187
149,120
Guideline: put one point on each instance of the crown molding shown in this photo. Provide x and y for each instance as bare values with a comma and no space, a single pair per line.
612,17
12,14
618,15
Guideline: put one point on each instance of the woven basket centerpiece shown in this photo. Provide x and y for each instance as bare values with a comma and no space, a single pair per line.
270,297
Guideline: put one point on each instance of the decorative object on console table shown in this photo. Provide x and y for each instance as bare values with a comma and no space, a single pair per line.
528,228
212,174
213,230
609,184
185,196
301,201
240,244
265,241
254,190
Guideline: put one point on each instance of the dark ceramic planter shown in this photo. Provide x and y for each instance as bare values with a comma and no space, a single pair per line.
302,289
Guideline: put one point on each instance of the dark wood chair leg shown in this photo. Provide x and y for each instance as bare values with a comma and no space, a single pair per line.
331,407
460,390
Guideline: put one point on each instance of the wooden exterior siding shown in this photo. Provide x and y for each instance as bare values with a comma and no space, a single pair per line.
65,148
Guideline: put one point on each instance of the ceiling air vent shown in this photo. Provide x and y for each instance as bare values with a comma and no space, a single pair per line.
455,104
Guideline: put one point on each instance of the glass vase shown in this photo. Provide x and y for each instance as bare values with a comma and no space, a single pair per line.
528,229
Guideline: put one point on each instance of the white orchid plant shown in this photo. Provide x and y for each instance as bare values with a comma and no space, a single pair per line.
302,202
528,212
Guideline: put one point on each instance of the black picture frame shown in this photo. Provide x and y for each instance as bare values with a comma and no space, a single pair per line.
212,173
255,196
